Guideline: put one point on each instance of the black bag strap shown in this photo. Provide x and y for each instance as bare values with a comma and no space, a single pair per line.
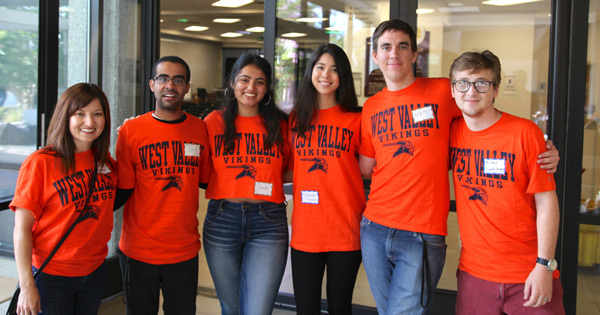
77,220
13,303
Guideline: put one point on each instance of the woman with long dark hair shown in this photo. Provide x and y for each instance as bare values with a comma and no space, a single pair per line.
52,188
245,231
328,190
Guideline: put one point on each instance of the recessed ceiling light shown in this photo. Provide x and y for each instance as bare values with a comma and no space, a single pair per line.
231,3
196,28
256,29
458,9
162,20
311,19
425,11
336,28
507,2
231,34
226,20
293,34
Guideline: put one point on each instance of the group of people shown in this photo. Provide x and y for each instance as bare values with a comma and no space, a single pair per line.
405,138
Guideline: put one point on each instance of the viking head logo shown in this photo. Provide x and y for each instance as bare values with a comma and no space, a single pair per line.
319,164
174,181
89,212
479,194
247,170
405,147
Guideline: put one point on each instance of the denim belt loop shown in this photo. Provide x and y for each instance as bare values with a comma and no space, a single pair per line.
221,203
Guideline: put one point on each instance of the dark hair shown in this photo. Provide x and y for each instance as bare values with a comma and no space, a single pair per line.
395,25
270,114
173,59
60,141
476,62
306,102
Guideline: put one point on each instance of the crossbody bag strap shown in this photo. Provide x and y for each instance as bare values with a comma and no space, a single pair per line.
64,237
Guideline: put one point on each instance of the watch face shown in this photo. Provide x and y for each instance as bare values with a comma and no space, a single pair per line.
552,265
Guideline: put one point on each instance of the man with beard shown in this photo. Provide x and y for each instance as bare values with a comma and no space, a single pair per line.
162,159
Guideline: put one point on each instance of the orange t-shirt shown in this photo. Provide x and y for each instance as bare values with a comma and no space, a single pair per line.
407,132
496,175
329,197
249,170
56,199
164,163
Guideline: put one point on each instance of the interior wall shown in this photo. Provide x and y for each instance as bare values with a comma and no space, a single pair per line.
516,60
203,57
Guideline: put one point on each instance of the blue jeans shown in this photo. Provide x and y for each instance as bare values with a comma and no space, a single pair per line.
246,248
393,260
71,295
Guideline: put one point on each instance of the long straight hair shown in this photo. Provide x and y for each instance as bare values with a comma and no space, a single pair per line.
60,142
270,114
306,103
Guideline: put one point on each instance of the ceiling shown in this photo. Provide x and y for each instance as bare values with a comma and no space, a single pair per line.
202,13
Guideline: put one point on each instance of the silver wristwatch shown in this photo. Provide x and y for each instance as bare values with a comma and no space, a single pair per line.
550,264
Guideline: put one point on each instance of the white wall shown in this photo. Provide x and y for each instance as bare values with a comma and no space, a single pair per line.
203,57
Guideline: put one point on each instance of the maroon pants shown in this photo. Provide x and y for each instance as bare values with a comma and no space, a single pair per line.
477,296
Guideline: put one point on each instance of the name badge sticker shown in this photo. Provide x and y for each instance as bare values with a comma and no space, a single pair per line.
264,189
310,197
192,149
421,114
494,166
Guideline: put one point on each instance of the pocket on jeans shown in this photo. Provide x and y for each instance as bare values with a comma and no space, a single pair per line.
434,240
213,209
364,221
275,214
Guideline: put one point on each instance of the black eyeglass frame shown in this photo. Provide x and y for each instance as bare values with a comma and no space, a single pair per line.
177,77
489,84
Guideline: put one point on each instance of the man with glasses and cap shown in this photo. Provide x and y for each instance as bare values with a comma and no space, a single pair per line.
405,136
507,207
162,161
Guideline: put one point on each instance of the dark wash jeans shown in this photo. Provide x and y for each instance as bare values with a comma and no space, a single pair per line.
62,295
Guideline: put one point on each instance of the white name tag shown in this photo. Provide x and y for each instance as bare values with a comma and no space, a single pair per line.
192,149
311,197
421,114
494,166
265,189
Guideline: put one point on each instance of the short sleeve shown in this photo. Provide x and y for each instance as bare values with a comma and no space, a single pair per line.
125,165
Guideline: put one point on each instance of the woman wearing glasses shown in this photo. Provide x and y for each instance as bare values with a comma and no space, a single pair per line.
245,231
52,188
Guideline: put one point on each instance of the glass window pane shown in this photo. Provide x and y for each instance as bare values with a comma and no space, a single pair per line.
18,96
588,277
73,43
18,113
304,25
518,34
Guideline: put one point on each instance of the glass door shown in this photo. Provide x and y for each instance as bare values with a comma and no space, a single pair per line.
588,270
518,34
18,101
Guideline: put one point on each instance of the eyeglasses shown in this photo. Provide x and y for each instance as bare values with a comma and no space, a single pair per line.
480,86
163,79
